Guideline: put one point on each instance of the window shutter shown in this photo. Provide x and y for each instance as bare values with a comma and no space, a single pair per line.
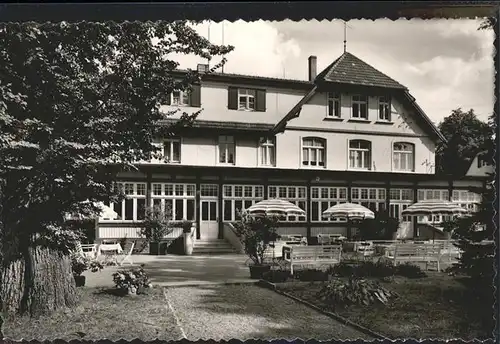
169,99
260,102
232,101
195,96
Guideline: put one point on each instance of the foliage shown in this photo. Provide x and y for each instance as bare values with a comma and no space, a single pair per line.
467,136
255,233
488,23
133,281
381,228
80,264
78,98
157,224
339,293
409,270
378,269
186,226
123,242
276,276
312,275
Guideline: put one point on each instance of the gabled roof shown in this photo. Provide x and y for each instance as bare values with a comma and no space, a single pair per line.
348,69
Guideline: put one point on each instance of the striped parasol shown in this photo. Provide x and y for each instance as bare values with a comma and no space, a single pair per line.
432,207
349,211
275,207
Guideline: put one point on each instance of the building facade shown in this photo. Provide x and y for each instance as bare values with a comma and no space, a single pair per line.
348,134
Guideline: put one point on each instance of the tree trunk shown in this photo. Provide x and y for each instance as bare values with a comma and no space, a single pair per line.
39,282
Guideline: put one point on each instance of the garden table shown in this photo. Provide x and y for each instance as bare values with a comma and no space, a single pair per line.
109,247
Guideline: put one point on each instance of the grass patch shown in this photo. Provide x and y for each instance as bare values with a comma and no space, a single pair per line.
101,314
435,307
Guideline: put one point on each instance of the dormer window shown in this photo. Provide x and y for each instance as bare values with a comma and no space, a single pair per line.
333,105
359,107
180,98
384,108
246,99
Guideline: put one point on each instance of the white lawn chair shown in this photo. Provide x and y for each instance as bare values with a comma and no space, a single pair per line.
128,256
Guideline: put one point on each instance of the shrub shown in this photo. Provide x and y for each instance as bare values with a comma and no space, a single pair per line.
410,271
276,276
132,281
80,264
157,224
338,293
255,233
186,226
362,269
311,275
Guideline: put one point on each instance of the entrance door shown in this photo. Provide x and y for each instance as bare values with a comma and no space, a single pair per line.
209,223
405,224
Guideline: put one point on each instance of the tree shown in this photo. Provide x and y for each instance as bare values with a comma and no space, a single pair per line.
78,102
466,136
382,227
477,260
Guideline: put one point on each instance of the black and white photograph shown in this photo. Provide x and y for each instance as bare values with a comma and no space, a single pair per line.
314,179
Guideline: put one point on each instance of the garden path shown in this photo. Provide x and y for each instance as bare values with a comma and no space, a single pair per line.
248,311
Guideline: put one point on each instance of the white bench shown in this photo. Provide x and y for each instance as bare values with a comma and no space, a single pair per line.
415,253
312,255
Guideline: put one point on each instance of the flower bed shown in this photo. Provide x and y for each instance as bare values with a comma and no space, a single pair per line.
438,306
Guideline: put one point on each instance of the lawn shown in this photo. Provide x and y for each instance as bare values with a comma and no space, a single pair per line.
438,306
101,315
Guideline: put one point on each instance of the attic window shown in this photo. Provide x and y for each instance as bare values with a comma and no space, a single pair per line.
359,107
384,108
333,104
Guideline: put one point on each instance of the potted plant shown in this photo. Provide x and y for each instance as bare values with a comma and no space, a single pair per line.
80,264
255,234
156,225
188,233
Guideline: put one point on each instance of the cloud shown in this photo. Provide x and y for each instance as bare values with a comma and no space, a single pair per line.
445,63
260,49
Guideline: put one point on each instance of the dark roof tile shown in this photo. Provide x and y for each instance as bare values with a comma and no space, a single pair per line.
348,69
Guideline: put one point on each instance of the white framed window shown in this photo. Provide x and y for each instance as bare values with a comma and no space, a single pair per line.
436,195
294,194
172,150
399,200
267,151
313,152
133,207
371,198
359,107
403,156
226,150
176,198
384,108
246,99
360,155
333,99
180,98
237,198
323,198
467,200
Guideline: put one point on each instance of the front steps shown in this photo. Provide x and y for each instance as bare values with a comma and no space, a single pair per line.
212,246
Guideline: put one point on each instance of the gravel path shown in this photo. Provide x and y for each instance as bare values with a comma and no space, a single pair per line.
246,311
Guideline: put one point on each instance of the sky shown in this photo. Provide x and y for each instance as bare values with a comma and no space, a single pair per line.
445,63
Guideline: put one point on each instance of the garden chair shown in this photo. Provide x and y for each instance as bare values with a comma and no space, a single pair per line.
128,256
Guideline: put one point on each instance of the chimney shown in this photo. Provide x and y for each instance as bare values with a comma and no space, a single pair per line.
203,68
312,68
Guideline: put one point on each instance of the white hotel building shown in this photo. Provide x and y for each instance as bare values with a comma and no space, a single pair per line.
348,134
